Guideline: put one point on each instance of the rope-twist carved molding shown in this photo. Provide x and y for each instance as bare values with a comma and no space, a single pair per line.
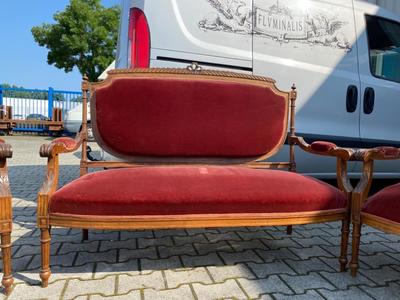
189,71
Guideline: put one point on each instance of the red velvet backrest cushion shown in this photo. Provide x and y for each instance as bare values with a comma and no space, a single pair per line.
175,117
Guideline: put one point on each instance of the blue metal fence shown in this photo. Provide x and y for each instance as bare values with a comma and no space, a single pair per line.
33,104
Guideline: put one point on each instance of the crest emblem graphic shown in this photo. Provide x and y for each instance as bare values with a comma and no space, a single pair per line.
277,22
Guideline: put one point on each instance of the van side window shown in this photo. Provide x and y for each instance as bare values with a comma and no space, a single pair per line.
384,47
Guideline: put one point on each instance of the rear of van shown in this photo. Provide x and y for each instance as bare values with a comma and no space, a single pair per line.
174,33
252,36
316,44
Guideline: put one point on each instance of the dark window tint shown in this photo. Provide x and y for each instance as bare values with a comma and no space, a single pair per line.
384,48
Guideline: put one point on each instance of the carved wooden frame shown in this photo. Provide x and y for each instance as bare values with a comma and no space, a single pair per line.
186,75
5,216
360,196
51,151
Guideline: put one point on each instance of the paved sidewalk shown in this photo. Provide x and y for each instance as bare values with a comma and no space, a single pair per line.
233,263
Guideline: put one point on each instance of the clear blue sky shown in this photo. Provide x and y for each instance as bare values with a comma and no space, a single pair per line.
22,61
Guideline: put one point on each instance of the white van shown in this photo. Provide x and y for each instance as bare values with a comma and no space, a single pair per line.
343,55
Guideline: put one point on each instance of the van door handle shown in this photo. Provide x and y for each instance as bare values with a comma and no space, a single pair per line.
369,100
351,98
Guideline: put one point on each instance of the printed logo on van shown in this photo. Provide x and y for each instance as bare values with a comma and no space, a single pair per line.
280,25
278,22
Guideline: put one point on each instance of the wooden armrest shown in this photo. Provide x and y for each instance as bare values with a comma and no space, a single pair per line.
60,145
51,151
5,150
50,184
330,149
368,156
381,153
323,148
377,153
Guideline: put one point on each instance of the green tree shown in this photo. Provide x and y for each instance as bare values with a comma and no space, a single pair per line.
84,35
13,91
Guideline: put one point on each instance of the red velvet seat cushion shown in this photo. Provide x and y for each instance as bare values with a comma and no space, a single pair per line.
385,203
194,190
66,141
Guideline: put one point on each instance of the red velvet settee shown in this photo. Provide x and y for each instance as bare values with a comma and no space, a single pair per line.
194,147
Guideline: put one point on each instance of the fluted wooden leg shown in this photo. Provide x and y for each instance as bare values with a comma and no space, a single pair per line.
7,280
45,245
85,234
344,245
355,248
289,229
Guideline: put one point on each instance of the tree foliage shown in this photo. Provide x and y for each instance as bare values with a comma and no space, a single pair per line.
13,91
84,35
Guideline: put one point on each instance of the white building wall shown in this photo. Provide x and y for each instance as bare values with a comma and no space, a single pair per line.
393,5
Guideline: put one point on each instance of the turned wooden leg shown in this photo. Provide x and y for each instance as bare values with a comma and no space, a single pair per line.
45,245
344,245
289,229
355,248
6,253
85,234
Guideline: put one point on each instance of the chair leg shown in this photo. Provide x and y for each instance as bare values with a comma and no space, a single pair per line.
45,245
344,245
355,248
7,280
289,229
85,234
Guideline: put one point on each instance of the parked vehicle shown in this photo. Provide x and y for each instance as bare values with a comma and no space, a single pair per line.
39,117
73,119
18,117
343,55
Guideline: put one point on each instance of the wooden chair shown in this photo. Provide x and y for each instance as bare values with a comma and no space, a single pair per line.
6,122
54,126
5,216
56,123
382,210
194,146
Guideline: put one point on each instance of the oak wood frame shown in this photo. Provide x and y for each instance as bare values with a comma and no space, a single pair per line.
360,196
51,151
5,217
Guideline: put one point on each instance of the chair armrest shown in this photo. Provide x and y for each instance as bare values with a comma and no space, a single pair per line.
368,156
50,184
51,151
343,155
60,145
380,153
5,152
323,148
